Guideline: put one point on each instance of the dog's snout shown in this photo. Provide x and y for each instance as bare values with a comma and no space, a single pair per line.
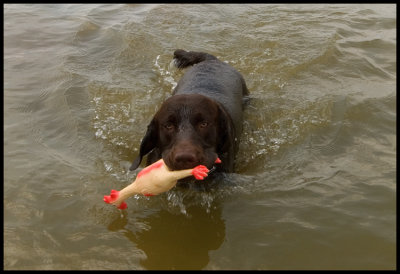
186,159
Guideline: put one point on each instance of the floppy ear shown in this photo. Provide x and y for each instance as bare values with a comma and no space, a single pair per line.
226,132
149,142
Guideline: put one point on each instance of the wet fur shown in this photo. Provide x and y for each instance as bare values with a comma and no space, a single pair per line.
203,118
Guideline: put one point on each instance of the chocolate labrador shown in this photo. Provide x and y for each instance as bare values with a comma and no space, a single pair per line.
203,118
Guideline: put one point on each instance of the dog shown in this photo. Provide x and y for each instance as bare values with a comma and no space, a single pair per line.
202,120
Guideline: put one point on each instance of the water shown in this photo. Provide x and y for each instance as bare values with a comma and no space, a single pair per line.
315,181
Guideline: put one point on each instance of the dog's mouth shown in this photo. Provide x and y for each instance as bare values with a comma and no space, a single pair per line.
210,164
173,166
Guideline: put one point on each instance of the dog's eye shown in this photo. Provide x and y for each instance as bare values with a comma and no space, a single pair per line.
169,126
203,124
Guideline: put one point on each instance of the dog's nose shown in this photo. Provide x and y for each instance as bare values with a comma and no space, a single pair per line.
185,160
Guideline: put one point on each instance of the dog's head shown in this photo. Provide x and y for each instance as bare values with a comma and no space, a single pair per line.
188,130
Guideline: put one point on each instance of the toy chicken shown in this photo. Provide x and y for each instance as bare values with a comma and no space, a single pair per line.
153,180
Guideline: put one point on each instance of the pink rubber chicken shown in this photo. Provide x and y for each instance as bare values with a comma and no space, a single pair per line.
153,180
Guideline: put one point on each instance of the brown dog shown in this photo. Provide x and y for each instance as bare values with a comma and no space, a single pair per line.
203,118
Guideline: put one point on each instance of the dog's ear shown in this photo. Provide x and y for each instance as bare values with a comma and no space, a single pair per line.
149,142
226,132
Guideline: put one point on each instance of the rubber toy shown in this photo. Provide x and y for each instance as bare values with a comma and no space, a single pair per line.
153,180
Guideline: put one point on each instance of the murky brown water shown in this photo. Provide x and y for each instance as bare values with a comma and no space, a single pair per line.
315,184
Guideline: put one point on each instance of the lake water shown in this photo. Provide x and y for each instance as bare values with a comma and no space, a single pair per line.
315,184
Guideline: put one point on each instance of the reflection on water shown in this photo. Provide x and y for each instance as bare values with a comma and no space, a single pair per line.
314,186
183,242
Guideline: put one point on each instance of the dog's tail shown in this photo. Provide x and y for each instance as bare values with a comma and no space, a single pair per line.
184,59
